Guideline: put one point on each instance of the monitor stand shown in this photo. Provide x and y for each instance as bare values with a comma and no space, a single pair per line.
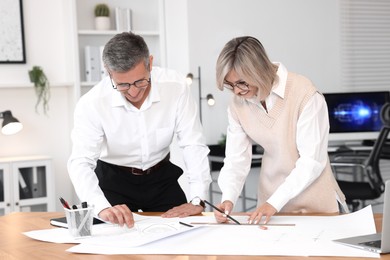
368,142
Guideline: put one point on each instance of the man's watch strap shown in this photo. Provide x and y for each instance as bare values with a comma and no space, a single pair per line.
198,202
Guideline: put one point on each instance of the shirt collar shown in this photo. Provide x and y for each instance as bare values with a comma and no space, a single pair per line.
280,86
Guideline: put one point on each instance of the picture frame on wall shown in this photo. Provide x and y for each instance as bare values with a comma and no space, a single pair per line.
12,47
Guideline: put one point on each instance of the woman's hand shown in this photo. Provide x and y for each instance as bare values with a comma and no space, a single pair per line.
265,211
226,207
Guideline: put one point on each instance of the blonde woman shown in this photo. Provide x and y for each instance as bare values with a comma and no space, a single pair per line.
285,114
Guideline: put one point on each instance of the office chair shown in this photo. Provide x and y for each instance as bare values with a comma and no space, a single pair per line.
371,185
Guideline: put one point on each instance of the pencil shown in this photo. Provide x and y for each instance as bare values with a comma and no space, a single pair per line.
185,224
217,209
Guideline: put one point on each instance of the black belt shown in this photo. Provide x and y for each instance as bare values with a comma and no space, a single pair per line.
136,171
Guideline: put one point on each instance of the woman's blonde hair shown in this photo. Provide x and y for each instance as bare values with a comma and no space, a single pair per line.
248,58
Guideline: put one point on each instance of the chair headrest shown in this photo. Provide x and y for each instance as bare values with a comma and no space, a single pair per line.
385,114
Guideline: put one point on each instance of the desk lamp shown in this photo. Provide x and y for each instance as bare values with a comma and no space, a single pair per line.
210,99
11,125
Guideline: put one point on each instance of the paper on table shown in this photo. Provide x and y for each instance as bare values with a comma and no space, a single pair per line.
311,236
146,230
61,235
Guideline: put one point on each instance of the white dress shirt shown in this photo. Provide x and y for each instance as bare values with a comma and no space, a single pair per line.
312,126
109,128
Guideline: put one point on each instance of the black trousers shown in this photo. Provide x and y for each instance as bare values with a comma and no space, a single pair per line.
158,191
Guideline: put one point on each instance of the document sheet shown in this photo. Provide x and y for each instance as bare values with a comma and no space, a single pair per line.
285,235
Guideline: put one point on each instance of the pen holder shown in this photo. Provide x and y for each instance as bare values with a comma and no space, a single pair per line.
80,221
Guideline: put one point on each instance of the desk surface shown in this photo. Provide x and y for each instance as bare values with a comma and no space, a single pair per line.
15,245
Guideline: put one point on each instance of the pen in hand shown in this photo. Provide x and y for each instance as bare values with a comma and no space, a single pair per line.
217,209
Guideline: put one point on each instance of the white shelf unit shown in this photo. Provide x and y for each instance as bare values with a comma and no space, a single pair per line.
26,184
148,20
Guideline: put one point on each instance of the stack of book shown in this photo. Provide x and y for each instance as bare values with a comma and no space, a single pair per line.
94,66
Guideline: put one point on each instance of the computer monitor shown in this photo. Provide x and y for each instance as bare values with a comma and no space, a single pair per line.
355,116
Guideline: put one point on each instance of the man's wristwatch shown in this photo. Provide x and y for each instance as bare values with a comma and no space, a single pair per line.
198,202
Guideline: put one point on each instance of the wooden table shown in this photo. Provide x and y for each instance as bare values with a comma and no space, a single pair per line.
15,245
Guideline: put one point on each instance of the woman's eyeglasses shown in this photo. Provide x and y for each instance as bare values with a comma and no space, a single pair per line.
242,85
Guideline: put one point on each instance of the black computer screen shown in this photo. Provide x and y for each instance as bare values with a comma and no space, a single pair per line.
351,112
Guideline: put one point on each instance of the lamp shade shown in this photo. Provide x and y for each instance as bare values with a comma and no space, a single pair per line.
10,125
189,78
210,100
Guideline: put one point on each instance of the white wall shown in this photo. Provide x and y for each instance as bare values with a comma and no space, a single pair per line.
303,34
177,35
46,41
44,29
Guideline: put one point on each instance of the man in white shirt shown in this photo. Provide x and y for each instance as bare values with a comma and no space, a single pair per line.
123,128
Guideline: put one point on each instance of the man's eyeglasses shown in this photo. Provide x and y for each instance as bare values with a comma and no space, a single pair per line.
242,85
140,84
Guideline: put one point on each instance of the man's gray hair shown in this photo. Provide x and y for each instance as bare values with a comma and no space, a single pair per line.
124,51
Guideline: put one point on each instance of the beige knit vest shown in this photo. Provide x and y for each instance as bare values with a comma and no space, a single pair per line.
276,133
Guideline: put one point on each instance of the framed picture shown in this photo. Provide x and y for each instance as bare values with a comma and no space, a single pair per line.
12,49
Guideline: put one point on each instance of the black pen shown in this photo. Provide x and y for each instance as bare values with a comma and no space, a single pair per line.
217,209
185,224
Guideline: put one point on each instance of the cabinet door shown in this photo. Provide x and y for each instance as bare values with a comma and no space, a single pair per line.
32,186
5,189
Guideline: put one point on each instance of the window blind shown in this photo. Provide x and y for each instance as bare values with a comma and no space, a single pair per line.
365,44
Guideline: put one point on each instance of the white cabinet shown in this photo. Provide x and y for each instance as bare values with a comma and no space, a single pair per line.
26,184
147,20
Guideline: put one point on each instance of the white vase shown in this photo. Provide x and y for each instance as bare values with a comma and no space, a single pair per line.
102,23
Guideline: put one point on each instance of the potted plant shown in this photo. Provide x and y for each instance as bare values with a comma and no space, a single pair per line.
42,87
222,141
102,17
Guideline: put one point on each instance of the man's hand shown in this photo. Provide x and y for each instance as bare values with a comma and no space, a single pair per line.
266,210
183,210
119,214
226,207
